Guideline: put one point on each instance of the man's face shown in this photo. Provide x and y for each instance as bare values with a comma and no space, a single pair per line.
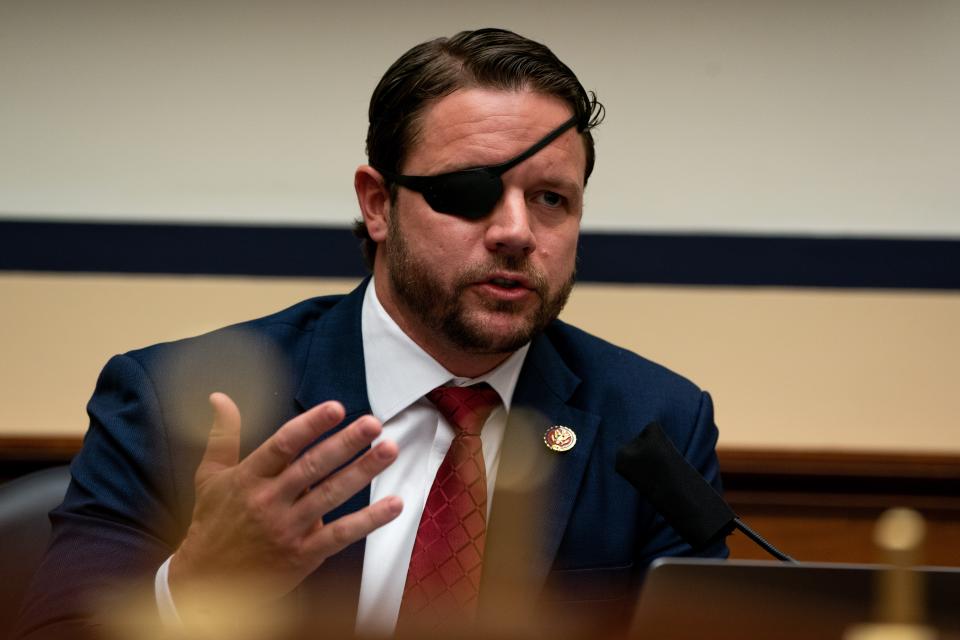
486,286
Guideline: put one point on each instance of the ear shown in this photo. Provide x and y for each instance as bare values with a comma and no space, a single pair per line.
373,196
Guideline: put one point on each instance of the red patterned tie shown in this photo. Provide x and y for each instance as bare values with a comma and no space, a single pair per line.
443,581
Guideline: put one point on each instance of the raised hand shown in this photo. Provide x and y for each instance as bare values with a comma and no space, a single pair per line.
259,522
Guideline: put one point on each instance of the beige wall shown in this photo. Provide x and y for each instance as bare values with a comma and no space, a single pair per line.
805,369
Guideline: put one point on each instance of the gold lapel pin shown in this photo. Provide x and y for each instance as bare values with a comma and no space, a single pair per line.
559,438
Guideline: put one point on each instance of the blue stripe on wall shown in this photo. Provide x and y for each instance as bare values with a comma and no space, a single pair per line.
179,249
790,261
672,259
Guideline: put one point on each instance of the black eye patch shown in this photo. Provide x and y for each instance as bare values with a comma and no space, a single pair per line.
470,193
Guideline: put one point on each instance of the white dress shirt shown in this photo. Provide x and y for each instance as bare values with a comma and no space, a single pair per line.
399,374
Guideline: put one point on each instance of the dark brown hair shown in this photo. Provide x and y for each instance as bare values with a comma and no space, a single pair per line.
492,58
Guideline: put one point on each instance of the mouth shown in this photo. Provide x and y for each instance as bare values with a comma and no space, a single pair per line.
507,281
506,287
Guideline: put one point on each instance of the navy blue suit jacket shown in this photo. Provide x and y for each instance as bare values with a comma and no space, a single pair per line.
131,496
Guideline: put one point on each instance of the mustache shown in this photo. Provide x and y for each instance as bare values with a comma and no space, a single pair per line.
499,262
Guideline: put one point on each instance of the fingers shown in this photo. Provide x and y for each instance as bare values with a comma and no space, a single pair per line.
279,450
348,481
223,443
326,457
335,536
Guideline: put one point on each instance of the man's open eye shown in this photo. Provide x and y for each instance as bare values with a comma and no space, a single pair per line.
551,199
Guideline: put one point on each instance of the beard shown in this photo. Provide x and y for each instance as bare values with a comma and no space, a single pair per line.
419,289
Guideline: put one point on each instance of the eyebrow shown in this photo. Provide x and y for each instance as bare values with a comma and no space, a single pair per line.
561,183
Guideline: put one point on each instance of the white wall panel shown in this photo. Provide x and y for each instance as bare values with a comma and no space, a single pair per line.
755,116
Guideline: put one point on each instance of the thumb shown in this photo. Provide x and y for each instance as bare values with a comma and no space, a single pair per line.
223,444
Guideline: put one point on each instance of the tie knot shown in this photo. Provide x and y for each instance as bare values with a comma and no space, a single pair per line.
465,408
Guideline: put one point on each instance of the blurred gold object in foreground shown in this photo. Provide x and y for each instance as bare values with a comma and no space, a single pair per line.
208,612
899,599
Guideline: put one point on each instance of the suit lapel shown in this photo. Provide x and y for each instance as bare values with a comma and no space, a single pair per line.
334,370
541,400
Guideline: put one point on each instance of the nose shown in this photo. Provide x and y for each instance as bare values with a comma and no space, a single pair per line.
508,227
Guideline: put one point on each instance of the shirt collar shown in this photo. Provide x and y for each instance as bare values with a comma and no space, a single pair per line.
399,372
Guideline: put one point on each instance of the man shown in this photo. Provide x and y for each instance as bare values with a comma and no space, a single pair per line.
318,475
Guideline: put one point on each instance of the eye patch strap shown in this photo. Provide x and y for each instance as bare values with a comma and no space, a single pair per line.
500,169
420,183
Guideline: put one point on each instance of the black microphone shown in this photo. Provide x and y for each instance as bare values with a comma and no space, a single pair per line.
652,464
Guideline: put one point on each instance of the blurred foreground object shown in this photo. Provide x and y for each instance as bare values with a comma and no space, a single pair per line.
899,606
